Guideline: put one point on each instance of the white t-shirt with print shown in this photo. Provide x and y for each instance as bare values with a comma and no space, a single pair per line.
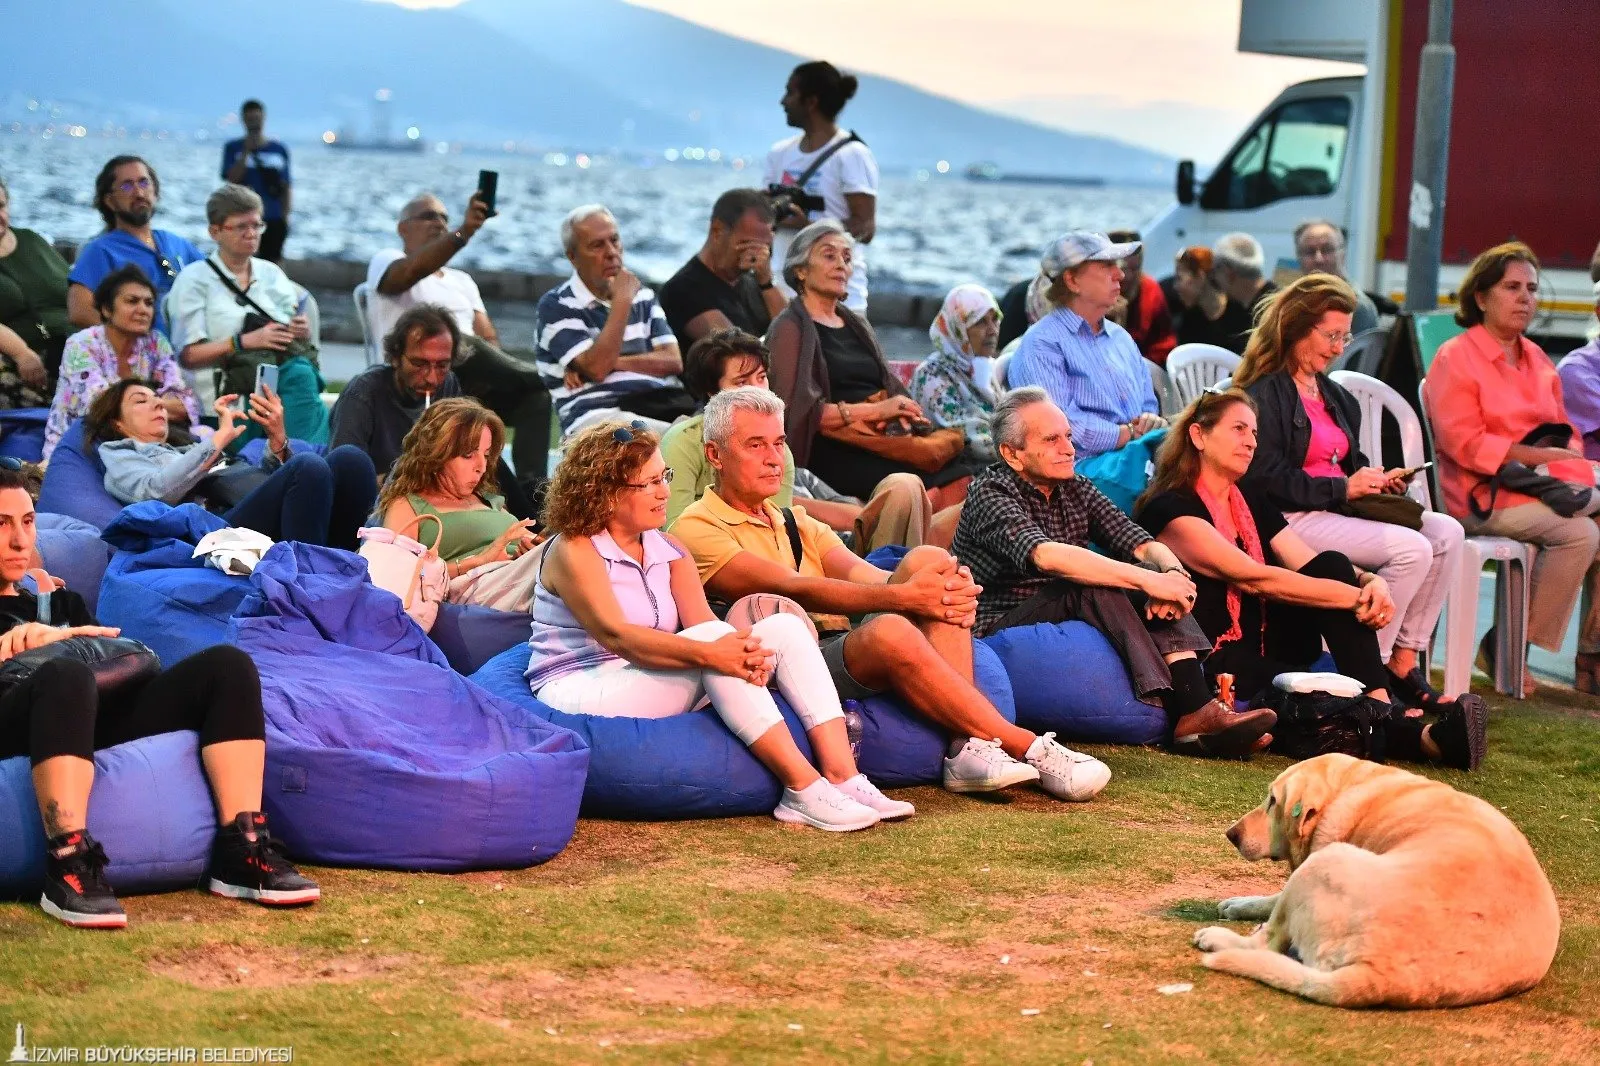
852,169
452,289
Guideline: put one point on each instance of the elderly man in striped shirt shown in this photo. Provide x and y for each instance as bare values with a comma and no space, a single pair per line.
1088,365
604,342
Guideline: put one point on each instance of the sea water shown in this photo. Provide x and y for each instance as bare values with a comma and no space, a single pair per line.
931,234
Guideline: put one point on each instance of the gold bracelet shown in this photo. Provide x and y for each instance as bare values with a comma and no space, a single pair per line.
843,413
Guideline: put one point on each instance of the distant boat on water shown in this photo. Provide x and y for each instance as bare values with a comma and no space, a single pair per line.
992,172
380,141
369,145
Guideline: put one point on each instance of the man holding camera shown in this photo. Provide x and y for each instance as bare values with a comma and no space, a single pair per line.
262,165
418,274
728,283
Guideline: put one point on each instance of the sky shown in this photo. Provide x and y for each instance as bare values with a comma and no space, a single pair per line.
1161,73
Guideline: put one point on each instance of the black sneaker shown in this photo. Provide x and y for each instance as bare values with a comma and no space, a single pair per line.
242,868
1462,732
75,888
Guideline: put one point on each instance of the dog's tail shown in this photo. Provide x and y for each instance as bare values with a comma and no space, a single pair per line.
1355,985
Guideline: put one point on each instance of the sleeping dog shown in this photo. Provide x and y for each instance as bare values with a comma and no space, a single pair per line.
1402,892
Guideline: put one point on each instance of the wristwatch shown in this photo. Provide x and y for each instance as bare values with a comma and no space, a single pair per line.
459,237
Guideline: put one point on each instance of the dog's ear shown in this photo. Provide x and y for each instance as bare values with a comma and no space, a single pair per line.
1303,818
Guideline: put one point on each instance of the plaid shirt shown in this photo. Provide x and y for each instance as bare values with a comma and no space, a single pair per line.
1005,519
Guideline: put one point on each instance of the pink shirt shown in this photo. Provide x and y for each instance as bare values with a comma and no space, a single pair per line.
1480,405
1328,444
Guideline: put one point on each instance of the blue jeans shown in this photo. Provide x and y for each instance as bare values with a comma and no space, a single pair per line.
313,499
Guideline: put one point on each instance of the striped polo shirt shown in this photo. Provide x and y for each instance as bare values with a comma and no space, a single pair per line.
570,318
1098,378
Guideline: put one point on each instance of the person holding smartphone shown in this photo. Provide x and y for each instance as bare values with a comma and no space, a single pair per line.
235,311
1308,464
289,496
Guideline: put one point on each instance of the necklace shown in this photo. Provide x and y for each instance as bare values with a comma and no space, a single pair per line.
1310,392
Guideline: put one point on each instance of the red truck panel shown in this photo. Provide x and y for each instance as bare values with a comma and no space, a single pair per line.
1524,129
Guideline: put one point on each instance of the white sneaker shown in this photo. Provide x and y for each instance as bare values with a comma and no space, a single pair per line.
866,793
1067,774
823,806
982,766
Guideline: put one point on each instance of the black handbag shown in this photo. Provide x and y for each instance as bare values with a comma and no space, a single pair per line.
1319,723
1387,508
117,663
1564,497
227,488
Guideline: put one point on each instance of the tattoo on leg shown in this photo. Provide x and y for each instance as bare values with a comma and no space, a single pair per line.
56,819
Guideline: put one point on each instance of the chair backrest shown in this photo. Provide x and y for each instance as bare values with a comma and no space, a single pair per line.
360,295
1166,398
1365,353
1194,368
1427,439
997,376
313,313
1377,399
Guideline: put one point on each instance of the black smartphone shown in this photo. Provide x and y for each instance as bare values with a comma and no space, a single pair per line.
488,185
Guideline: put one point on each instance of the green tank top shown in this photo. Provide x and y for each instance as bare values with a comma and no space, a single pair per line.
465,532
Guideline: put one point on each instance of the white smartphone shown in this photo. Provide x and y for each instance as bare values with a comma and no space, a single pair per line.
1412,471
267,378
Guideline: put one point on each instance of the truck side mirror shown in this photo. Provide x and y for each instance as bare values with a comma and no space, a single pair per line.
1186,181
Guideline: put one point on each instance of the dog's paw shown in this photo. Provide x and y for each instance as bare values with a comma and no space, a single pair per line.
1215,938
1246,908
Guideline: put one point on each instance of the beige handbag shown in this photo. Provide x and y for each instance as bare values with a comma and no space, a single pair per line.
408,568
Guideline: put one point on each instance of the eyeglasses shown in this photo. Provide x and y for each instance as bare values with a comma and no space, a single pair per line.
429,216
141,184
427,366
645,486
624,434
1333,337
166,265
246,227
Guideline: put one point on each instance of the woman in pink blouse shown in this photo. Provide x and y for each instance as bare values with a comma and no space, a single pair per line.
1308,462
122,346
1487,389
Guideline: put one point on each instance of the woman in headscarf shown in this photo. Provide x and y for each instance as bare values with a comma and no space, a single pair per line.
944,386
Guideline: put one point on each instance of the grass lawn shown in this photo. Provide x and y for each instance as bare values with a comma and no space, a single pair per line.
1009,930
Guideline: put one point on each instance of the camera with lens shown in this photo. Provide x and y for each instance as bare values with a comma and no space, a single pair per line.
785,198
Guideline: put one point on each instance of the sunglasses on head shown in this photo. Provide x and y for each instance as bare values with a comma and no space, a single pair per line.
10,462
624,434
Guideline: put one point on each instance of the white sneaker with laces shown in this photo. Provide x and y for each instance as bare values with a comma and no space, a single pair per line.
1067,774
866,793
823,806
983,766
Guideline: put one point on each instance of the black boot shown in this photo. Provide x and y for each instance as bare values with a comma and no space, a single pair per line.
75,888
256,869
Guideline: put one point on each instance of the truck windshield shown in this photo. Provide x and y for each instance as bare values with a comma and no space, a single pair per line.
1297,150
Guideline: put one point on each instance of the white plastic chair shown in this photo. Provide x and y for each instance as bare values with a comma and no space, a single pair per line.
1166,399
369,344
1194,368
997,376
1512,559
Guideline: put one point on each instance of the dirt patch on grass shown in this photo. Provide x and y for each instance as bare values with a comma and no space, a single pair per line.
215,966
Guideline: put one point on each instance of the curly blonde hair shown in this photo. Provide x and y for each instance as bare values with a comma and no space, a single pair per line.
594,469
1286,318
449,429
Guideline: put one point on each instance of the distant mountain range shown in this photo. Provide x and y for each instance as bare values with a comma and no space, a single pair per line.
598,75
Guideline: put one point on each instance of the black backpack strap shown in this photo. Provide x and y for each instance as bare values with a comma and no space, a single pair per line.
233,287
791,527
816,164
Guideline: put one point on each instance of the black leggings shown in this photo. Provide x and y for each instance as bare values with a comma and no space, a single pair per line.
1294,640
57,711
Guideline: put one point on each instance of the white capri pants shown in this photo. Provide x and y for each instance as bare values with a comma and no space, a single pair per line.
1420,568
618,689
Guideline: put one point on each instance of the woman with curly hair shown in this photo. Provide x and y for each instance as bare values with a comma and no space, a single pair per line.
445,477
621,628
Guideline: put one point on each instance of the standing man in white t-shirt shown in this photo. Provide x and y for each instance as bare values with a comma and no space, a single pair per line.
417,273
845,184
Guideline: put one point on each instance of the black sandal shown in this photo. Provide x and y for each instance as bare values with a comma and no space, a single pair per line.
1413,690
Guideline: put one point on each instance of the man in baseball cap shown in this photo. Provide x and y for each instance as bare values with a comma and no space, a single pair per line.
1089,366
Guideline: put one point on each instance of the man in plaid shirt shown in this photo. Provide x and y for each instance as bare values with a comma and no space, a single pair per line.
1024,532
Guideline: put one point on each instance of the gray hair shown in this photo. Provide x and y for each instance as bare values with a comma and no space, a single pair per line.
231,200
1006,422
799,253
1240,253
1313,223
582,214
406,212
718,426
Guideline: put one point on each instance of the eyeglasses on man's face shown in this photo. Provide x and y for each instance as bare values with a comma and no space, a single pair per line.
135,185
430,216
245,228
426,366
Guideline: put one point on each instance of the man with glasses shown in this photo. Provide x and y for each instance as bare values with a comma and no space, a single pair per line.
1319,245
126,193
418,273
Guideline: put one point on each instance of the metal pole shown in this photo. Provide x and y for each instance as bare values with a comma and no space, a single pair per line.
1430,152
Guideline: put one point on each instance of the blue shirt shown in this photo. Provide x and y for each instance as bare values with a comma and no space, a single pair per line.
267,172
570,318
1099,379
117,248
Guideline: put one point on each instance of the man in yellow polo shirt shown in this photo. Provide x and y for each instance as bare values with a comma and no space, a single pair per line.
917,639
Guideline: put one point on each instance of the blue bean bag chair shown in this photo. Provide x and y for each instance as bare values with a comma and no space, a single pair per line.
378,754
1069,680
73,551
157,591
691,766
75,483
471,636
22,432
150,808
